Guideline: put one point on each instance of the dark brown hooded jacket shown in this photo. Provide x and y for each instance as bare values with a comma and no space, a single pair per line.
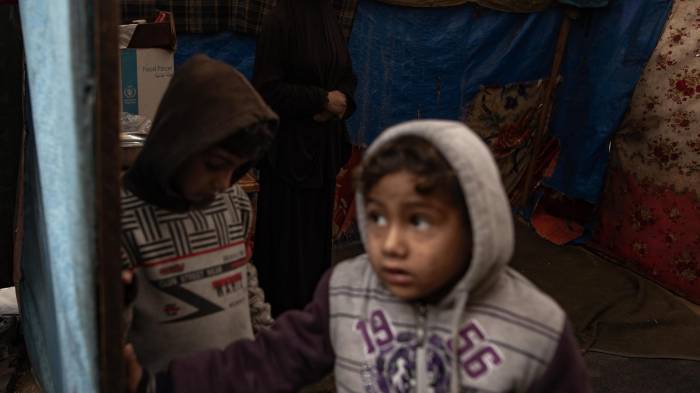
206,102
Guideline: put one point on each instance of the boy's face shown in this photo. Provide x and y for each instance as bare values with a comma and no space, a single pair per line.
204,175
418,245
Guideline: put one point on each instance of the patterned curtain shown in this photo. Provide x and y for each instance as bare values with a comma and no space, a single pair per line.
344,225
650,214
506,117
211,16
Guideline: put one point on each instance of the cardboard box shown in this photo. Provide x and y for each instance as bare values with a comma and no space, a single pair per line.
146,74
147,64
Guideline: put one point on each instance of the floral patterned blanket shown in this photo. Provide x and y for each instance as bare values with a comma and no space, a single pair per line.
650,213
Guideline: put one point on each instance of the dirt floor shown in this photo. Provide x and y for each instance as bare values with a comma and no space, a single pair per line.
610,373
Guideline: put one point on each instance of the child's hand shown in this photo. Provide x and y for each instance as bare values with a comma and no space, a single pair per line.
129,286
134,371
127,276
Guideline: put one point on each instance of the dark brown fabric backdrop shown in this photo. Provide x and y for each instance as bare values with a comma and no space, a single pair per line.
211,16
11,77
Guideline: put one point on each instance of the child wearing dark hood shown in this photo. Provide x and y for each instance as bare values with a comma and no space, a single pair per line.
185,224
431,307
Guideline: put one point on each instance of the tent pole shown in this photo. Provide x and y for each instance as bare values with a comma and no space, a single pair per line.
546,113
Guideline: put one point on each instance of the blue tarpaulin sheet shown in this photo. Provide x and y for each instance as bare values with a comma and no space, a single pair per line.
608,50
429,63
586,3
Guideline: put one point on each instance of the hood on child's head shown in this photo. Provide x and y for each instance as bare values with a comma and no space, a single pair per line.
206,102
485,198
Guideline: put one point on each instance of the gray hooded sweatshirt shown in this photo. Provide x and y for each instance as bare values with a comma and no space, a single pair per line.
493,332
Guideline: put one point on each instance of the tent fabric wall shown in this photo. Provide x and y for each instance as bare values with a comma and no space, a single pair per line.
233,48
57,290
607,51
409,68
586,3
505,117
500,5
650,212
430,62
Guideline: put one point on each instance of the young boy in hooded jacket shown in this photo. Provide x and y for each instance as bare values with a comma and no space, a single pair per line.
185,225
431,307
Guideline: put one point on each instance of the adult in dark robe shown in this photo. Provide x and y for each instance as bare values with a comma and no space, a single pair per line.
304,72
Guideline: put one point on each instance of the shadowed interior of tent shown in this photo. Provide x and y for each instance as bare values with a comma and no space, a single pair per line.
590,109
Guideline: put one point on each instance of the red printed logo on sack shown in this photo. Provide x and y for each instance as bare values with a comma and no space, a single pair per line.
171,309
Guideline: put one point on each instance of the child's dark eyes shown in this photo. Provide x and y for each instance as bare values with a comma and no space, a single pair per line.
377,218
420,222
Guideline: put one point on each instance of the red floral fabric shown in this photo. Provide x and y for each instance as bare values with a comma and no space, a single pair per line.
650,212
344,226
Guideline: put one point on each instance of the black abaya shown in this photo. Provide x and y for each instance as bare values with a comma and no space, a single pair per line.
301,56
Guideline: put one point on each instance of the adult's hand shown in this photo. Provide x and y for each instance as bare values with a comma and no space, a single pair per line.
337,103
324,116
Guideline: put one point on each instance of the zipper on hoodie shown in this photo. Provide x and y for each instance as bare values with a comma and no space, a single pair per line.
422,313
421,358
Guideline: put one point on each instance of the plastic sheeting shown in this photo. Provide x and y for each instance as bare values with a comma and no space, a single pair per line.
501,5
430,62
608,49
57,290
586,3
233,48
504,5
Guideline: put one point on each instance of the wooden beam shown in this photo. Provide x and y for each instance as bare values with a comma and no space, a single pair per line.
107,160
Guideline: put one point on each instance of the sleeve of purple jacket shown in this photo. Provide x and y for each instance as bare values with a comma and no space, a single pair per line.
566,372
294,352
